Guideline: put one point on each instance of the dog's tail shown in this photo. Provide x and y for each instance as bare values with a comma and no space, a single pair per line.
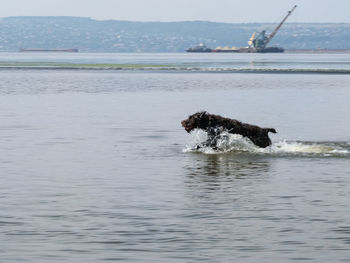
270,130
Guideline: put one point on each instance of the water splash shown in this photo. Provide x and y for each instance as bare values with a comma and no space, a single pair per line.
236,143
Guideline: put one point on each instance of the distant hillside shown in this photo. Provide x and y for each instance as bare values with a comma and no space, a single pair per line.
90,35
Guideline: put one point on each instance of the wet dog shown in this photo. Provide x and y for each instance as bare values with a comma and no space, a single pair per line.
214,125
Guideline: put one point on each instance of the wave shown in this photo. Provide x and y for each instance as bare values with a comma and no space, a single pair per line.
280,70
169,68
264,70
234,143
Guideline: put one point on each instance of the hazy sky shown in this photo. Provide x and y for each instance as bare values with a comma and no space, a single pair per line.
232,11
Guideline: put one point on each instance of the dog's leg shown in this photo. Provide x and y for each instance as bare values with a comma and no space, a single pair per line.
213,134
212,137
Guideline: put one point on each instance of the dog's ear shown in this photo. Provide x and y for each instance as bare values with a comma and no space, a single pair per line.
203,113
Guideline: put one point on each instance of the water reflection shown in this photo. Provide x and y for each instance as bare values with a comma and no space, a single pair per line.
212,172
229,165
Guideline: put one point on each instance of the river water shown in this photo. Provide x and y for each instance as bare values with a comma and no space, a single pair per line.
95,165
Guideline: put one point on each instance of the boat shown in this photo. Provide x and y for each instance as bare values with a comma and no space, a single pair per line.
226,49
201,48
256,44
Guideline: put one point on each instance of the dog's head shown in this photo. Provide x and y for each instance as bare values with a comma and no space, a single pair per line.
198,120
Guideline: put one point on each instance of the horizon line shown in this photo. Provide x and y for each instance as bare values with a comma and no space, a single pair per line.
155,21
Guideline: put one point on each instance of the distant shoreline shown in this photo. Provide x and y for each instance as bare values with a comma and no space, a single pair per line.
90,35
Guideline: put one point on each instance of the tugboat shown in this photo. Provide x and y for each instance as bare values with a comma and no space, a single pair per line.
201,48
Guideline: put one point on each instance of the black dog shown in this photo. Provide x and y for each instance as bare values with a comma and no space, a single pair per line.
215,124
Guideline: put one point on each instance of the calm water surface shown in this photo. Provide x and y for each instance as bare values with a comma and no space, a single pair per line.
96,167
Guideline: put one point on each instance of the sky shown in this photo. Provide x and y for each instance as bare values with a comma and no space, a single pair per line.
229,11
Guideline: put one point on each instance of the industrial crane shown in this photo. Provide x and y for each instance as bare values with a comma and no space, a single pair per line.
260,41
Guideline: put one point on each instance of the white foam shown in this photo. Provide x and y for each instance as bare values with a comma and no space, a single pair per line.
236,143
